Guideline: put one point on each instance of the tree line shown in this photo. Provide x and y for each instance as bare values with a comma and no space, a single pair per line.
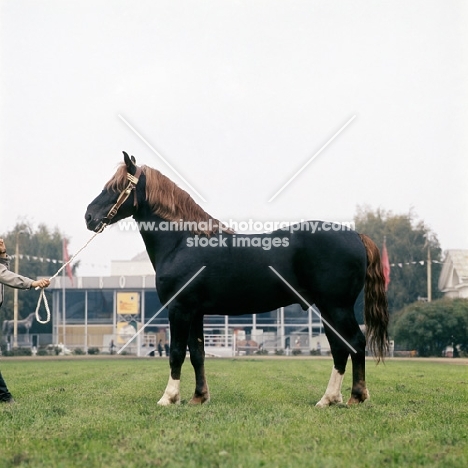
40,242
426,327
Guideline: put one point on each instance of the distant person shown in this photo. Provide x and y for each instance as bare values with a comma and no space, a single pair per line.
166,348
111,346
18,282
160,348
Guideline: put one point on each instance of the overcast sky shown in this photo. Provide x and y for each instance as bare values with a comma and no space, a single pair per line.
237,96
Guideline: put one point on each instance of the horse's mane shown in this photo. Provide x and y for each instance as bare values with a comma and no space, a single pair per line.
169,201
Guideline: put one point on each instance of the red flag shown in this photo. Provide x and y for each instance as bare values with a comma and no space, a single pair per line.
385,264
66,258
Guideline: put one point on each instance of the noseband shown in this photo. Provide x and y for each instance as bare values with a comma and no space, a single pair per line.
132,182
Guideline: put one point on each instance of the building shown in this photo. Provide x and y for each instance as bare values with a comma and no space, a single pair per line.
453,280
105,311
100,311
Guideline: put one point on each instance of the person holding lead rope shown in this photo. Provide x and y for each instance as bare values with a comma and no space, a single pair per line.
19,282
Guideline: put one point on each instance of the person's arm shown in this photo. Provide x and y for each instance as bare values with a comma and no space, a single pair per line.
12,279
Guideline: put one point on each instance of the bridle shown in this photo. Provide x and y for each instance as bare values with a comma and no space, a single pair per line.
132,182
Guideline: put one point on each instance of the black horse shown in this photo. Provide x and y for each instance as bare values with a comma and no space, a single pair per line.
202,268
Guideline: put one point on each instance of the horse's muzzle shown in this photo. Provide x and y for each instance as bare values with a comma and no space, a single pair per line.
93,224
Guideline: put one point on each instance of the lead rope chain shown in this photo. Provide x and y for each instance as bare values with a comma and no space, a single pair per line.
42,295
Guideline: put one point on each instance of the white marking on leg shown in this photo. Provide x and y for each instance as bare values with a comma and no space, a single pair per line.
171,394
333,392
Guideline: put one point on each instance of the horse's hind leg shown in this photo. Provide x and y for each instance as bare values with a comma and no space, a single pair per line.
197,358
350,336
180,326
340,355
359,391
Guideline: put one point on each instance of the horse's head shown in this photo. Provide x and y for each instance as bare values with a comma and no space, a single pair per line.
115,201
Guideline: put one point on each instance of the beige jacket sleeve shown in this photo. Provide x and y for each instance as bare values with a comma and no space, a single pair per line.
10,278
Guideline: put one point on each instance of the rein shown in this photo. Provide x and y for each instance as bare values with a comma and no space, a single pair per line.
132,183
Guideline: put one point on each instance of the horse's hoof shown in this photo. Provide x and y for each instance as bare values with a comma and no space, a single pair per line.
166,401
199,399
328,400
353,401
360,397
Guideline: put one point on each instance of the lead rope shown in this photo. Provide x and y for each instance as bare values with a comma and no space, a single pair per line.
133,180
42,295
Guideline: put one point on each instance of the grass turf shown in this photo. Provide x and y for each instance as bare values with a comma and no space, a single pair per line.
103,413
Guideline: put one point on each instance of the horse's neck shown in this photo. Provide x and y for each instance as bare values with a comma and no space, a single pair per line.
159,241
28,320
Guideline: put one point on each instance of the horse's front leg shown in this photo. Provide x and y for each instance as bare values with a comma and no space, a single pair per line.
180,326
197,358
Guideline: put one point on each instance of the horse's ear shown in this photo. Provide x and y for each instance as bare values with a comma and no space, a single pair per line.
128,162
133,159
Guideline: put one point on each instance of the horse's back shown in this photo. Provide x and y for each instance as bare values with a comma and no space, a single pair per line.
247,277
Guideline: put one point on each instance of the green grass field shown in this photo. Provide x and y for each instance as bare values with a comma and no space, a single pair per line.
103,413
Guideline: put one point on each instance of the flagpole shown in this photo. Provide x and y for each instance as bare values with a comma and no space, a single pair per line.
63,294
67,267
429,274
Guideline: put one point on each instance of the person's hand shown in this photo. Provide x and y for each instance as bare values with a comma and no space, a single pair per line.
42,283
2,247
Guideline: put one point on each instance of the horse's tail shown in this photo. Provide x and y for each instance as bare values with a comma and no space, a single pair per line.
375,301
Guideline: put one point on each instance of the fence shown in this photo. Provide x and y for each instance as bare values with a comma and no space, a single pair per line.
101,340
